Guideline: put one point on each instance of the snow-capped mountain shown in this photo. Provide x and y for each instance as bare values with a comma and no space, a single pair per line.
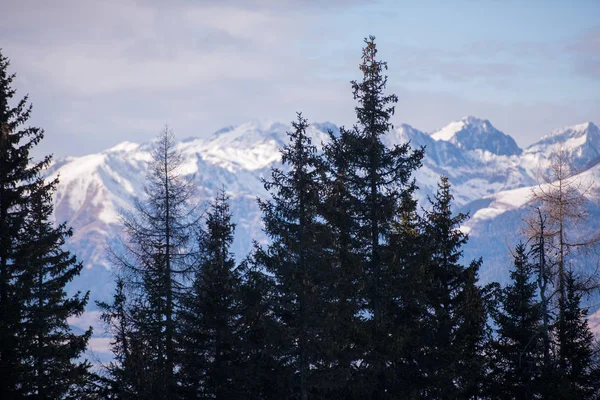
581,143
470,133
491,177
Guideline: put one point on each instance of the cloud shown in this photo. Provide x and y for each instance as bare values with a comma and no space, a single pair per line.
102,72
100,345
586,50
87,319
130,46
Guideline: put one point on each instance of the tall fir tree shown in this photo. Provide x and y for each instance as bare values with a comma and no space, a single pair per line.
300,264
38,351
209,315
517,356
346,268
407,242
51,356
378,181
455,306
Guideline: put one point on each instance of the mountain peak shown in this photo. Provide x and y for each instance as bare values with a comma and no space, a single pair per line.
573,131
125,146
472,133
581,141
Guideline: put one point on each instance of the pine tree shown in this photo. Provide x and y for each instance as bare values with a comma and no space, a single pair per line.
38,350
124,377
52,351
377,178
208,319
260,372
455,307
299,263
518,350
577,375
346,268
407,242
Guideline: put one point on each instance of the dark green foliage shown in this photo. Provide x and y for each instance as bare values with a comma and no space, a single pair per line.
301,266
577,376
208,319
346,268
376,182
38,350
260,374
410,304
50,365
455,314
358,295
126,377
518,351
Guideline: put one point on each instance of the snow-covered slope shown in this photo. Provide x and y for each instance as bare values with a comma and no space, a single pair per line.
490,174
496,225
472,133
580,142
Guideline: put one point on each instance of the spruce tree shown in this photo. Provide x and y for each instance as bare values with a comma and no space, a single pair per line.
346,268
407,242
208,319
576,374
455,315
124,377
260,372
38,351
52,350
377,179
299,263
518,350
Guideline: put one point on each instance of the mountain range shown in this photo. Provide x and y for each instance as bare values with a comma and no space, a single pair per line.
491,176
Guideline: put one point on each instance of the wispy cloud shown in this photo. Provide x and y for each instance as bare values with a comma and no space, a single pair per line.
102,71
586,50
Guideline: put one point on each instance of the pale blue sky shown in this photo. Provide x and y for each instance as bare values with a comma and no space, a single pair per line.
99,73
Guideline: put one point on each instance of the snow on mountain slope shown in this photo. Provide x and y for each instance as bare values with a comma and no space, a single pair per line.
490,177
497,223
251,146
472,133
581,143
94,189
473,173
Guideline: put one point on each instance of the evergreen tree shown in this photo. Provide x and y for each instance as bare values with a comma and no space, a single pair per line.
455,306
408,243
518,350
38,350
577,375
209,315
346,268
299,263
52,349
260,372
125,376
377,180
